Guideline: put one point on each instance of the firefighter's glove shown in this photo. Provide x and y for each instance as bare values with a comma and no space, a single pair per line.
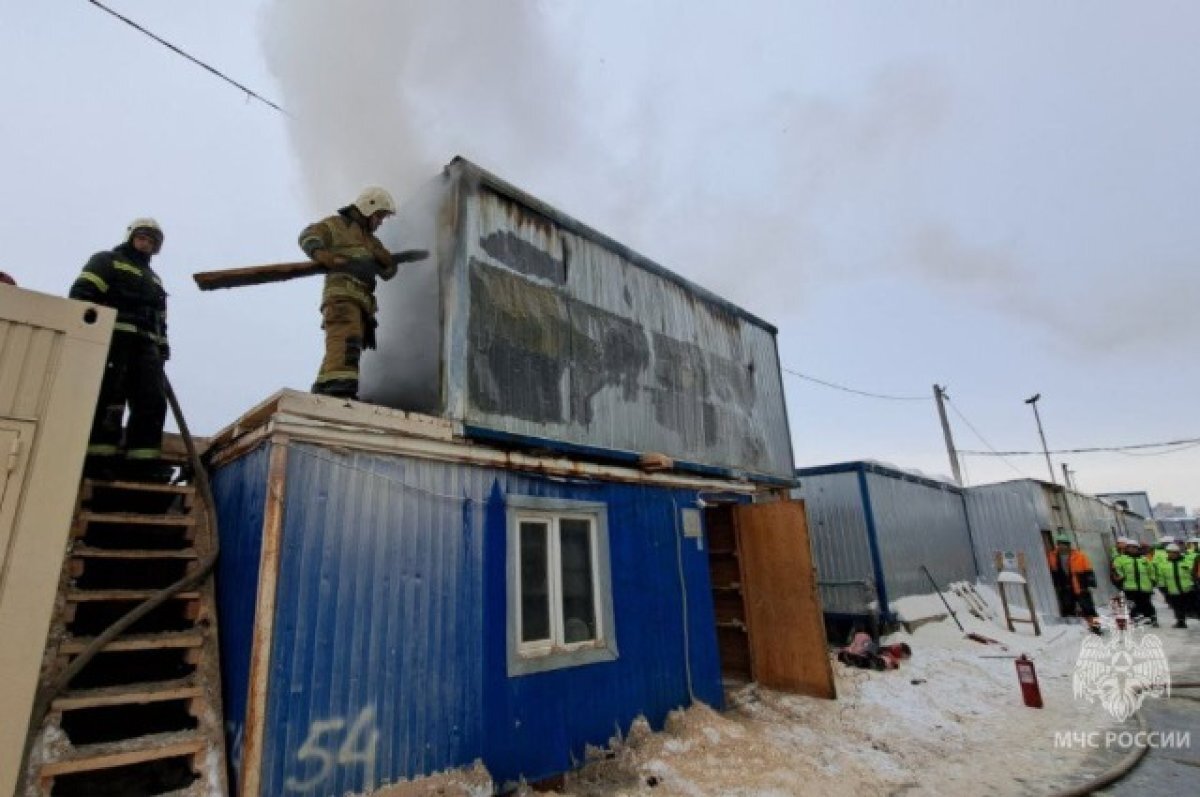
362,269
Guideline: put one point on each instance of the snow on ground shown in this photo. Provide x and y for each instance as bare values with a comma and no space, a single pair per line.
950,721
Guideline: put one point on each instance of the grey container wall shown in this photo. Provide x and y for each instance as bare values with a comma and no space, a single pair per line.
547,330
1005,518
872,523
837,529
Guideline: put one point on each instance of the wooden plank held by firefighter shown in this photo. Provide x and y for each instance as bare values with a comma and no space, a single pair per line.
280,272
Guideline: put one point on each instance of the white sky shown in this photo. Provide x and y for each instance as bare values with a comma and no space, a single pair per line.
994,197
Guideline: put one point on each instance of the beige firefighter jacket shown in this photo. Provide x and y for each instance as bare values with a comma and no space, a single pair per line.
343,234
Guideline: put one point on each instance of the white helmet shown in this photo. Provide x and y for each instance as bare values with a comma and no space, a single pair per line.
1172,548
374,199
1167,540
146,226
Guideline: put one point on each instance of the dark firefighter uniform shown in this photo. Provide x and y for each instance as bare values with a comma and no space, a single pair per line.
133,376
345,243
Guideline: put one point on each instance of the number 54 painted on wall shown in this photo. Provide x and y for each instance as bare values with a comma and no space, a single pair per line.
322,748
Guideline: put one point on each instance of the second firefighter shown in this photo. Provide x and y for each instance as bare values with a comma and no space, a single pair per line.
345,243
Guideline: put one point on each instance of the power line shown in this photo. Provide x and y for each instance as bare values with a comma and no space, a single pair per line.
1189,442
971,426
249,92
856,392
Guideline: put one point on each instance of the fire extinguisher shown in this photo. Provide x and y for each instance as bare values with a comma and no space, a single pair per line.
1027,676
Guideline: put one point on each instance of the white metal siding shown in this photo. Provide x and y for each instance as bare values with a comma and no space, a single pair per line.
52,355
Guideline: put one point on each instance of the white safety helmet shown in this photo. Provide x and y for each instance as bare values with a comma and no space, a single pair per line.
374,199
1172,548
146,226
1167,540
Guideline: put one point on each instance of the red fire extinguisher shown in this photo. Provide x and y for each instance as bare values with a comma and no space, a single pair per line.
1027,676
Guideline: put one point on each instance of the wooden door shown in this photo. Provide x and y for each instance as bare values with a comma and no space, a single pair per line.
783,610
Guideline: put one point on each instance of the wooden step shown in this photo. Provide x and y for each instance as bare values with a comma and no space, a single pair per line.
127,694
136,519
118,595
140,487
88,552
156,747
127,642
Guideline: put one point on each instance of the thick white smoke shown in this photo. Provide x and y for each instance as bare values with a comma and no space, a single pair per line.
677,128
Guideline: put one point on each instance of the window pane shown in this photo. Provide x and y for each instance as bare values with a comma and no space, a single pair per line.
535,590
579,608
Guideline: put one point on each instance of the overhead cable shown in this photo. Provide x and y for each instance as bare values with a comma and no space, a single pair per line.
247,91
856,392
971,426
1189,442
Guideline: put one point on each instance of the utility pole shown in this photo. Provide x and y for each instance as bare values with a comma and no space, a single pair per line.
939,393
1067,478
1032,401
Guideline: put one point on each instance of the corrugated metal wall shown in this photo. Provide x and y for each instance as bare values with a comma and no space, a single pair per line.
550,330
391,625
919,524
569,339
1005,517
916,522
239,489
837,527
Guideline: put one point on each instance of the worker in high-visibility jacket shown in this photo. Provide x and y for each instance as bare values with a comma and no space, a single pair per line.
1136,578
1073,579
1191,555
133,375
1178,579
345,243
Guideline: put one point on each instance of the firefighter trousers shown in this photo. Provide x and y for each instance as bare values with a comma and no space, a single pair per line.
344,323
133,377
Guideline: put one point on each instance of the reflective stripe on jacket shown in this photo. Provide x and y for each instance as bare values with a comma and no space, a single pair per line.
1175,575
123,279
347,234
1137,573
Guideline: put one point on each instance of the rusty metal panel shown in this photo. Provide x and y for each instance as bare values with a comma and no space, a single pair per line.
552,331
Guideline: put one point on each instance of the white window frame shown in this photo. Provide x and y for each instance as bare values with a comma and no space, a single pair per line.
554,653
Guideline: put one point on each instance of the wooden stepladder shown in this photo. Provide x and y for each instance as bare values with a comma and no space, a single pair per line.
1010,570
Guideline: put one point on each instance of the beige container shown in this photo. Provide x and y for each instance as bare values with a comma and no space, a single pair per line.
52,355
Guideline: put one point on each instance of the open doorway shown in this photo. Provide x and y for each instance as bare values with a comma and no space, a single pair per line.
770,627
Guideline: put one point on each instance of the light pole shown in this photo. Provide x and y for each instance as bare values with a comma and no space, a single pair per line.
1032,401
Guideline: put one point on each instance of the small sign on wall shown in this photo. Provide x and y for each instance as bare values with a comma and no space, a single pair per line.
691,526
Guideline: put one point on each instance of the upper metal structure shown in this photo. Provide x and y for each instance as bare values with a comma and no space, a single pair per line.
531,327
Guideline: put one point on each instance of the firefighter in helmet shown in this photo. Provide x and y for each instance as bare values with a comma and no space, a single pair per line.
133,376
345,243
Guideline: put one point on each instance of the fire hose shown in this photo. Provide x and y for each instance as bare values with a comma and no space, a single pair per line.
1125,765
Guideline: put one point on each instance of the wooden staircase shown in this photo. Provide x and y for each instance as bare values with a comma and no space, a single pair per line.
144,716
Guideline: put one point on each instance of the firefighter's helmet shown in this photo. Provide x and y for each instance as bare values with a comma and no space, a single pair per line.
146,226
374,199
